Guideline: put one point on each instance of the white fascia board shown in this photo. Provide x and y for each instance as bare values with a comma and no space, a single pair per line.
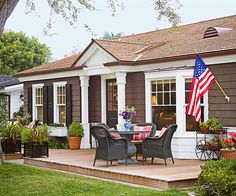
190,63
62,74
124,68
89,52
13,88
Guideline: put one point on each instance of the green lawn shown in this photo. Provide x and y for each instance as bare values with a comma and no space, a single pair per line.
16,179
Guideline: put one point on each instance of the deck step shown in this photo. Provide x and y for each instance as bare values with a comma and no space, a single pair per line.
114,175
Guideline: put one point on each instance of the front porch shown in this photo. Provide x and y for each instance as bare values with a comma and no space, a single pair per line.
180,175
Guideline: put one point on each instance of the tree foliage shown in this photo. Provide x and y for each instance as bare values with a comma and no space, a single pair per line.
71,9
3,108
111,35
19,52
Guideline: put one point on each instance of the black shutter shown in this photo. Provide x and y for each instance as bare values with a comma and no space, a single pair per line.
45,104
30,102
50,104
68,104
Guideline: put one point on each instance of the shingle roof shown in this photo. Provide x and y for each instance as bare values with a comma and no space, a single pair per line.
155,46
55,66
6,80
173,41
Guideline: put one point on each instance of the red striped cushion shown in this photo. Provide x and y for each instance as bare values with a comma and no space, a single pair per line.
115,135
141,136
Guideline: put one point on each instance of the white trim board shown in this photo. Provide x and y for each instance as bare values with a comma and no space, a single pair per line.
99,70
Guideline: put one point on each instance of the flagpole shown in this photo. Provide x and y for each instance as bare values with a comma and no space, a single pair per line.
226,97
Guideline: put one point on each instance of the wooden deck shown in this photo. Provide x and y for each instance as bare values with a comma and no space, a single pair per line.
182,174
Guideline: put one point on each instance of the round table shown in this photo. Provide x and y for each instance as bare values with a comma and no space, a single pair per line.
131,147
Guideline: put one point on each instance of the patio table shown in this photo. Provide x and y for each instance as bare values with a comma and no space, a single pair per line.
131,147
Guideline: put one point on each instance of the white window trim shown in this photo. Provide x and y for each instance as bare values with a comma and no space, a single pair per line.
55,85
34,86
179,76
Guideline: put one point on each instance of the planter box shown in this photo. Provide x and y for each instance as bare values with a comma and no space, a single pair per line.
228,154
36,150
10,146
57,131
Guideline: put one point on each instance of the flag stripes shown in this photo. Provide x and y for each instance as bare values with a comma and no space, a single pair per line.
201,82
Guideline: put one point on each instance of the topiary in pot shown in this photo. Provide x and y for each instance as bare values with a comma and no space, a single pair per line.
75,134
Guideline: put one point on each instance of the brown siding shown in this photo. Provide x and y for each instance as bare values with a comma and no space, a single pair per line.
74,81
95,99
218,106
135,94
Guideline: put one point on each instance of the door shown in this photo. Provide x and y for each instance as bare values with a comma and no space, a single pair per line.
111,94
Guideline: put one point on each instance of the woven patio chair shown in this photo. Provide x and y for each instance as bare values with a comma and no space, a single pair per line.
159,147
108,148
138,143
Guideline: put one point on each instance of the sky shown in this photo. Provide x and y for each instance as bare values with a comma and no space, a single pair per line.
137,16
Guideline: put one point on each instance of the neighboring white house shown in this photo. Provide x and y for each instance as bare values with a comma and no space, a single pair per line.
13,90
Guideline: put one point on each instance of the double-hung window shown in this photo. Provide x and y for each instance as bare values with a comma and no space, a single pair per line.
163,102
191,124
60,102
38,102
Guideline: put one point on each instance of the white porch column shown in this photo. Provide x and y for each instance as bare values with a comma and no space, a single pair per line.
84,84
121,81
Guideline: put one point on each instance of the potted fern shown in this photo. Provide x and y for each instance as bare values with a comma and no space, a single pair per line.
75,134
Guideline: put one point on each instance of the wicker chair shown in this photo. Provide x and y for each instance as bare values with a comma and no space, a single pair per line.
107,147
159,147
138,143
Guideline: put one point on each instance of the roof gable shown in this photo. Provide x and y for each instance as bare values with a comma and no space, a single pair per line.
94,56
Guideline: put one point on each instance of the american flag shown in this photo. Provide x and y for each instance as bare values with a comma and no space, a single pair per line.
201,82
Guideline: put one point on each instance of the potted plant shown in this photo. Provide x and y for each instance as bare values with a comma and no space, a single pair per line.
127,115
57,130
204,128
75,134
35,140
10,133
215,125
215,142
228,150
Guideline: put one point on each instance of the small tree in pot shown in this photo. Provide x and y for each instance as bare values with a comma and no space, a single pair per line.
75,133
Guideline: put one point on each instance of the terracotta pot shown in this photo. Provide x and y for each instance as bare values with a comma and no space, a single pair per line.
218,130
215,145
204,129
74,142
228,154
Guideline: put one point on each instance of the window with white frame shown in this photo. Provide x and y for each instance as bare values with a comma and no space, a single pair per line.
163,95
38,102
191,124
60,102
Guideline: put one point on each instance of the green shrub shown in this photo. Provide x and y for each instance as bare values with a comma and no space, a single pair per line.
10,130
219,176
56,125
75,130
58,145
38,135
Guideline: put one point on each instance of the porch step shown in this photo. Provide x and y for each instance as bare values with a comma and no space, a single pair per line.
165,183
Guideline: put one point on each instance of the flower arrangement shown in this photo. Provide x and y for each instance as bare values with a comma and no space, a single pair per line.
128,113
229,143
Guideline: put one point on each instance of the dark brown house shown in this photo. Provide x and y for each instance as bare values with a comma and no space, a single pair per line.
151,71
